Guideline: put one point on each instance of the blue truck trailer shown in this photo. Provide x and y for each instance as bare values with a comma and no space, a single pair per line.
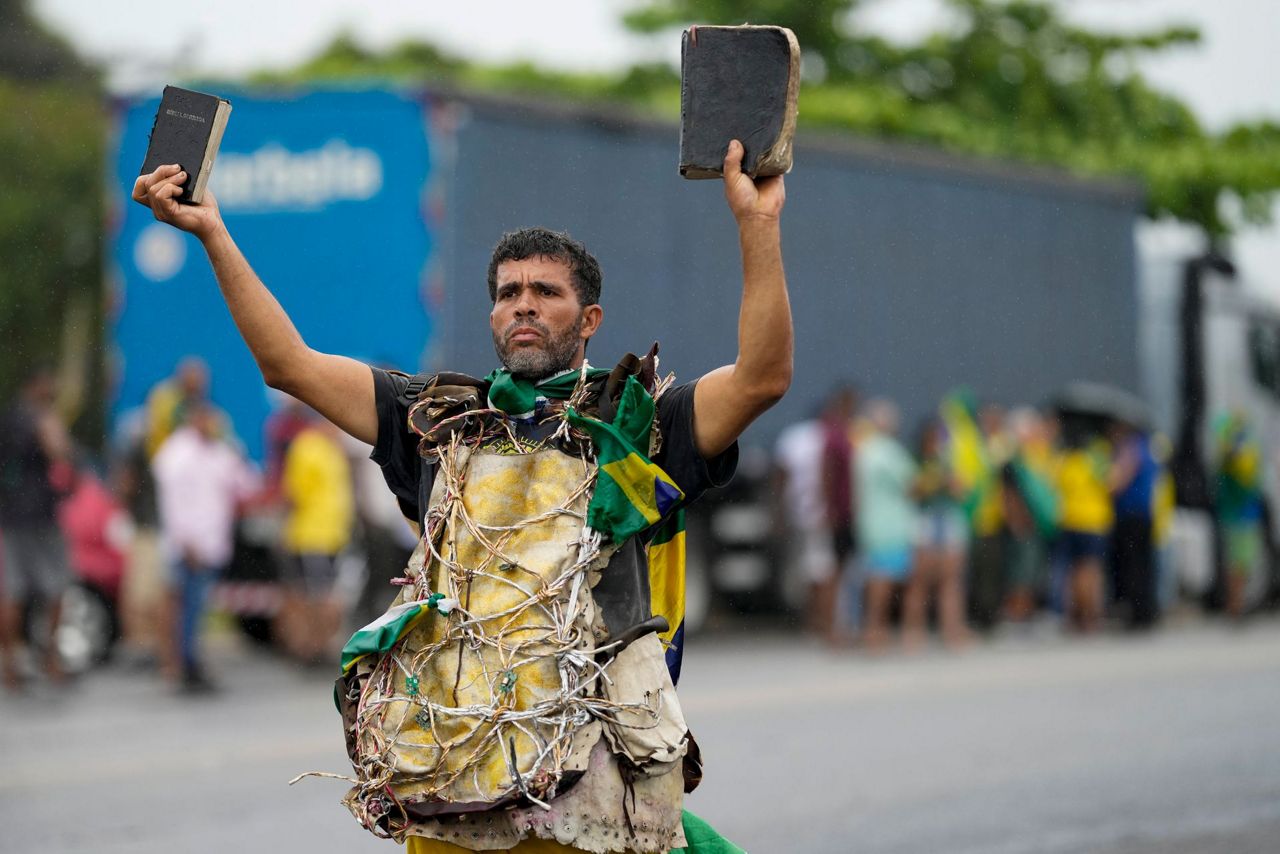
371,215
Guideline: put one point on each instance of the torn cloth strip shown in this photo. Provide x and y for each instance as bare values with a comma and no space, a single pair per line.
631,493
701,838
518,397
384,632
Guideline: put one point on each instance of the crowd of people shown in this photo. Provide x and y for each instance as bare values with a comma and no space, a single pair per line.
161,519
990,516
986,516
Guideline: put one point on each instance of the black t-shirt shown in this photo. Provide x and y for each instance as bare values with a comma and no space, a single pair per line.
623,591
26,495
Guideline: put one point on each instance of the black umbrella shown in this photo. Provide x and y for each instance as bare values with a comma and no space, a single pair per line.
1098,400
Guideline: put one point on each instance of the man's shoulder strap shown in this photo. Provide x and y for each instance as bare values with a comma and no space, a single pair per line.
421,382
417,384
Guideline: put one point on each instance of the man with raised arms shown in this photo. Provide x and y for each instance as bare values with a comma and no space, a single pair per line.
518,694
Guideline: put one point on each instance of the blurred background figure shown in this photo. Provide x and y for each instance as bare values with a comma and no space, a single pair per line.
316,485
1082,476
814,464
201,479
799,478
986,500
144,589
839,479
1239,506
1031,513
969,454
941,544
1134,475
168,401
35,460
289,418
99,535
145,606
1164,507
887,518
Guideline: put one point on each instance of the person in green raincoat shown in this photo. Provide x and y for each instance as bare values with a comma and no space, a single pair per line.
1239,505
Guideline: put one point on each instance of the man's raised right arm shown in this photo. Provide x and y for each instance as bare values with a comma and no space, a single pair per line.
339,388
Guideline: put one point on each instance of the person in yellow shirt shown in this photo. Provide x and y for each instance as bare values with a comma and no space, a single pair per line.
1086,521
316,483
169,400
1164,504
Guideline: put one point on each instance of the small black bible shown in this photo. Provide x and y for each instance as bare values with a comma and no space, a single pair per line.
187,131
738,83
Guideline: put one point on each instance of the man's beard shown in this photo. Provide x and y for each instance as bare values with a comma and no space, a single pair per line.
537,363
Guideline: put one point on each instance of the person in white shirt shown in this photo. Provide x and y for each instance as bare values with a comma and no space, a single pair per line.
200,481
798,454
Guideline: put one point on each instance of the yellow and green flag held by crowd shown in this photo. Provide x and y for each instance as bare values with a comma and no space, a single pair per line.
966,449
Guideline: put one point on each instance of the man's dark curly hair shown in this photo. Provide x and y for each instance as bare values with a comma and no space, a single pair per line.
544,243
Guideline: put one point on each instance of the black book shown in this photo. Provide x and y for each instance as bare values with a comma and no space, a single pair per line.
738,83
187,131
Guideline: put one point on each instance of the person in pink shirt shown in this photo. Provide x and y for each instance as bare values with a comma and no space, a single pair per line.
200,480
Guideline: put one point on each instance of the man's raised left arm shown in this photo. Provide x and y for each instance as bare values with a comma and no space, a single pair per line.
728,399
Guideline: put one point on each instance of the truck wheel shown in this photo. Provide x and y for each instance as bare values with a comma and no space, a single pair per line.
88,628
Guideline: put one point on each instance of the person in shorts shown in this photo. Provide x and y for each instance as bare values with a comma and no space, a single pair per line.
316,483
941,546
1087,517
887,517
34,451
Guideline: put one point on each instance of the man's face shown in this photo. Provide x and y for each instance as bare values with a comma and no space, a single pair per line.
538,327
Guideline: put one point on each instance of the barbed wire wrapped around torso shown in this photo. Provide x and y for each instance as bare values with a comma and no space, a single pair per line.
506,689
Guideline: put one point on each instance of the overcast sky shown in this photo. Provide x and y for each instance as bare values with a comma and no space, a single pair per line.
1228,78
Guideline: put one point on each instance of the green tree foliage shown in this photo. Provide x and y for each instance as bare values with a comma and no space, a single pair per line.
51,210
30,53
656,86
1007,79
1015,80
820,25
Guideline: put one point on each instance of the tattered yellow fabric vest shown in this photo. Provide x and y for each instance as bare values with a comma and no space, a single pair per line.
506,710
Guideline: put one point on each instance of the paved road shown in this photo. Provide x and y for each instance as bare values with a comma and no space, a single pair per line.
1168,743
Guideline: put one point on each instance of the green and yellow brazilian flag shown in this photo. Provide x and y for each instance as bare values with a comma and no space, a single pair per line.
633,495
